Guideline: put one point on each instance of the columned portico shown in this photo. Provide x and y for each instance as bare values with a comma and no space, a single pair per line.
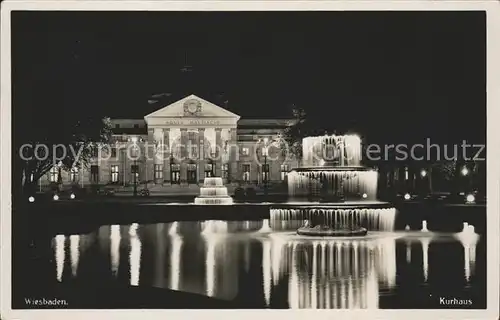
196,136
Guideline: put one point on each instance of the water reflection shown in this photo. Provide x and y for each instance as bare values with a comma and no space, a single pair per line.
74,241
244,260
115,238
135,255
59,252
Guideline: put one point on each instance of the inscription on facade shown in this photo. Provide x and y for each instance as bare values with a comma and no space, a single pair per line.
192,122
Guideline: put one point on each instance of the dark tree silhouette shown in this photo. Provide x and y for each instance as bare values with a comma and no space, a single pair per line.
53,144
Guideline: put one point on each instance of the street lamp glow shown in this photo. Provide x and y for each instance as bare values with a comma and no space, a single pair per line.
423,173
133,139
470,198
55,197
31,199
407,196
72,196
465,171
365,196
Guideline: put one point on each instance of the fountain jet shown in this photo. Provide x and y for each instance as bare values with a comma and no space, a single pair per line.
345,191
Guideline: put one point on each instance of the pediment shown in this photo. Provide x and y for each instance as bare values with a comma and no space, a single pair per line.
192,106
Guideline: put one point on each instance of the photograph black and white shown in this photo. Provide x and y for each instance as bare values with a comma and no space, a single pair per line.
249,159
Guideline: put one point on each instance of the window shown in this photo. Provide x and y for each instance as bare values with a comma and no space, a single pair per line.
191,173
136,126
225,171
135,152
406,173
134,170
73,174
209,170
94,173
175,173
113,152
192,145
117,126
114,173
158,171
264,151
54,174
94,151
265,172
245,151
284,171
246,172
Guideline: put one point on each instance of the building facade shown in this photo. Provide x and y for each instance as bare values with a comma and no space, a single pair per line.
181,144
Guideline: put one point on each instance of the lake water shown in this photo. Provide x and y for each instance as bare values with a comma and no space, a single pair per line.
269,266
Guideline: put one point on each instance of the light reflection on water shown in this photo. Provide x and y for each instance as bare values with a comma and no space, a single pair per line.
228,260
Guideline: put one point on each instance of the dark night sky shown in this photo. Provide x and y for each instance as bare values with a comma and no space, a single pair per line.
393,74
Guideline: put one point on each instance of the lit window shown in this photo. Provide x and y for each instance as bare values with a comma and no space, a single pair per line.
175,173
225,171
209,170
158,171
245,151
134,170
284,171
54,174
246,172
406,173
265,172
114,173
73,174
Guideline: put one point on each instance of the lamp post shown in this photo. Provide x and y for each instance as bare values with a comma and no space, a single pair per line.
466,179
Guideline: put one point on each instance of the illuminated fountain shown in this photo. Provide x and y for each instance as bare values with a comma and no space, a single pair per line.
469,239
332,194
213,192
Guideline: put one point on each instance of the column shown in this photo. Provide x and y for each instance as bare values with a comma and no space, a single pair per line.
219,152
201,154
166,154
158,153
233,156
124,163
183,160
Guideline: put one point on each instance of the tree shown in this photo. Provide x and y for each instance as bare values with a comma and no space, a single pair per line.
292,135
66,146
